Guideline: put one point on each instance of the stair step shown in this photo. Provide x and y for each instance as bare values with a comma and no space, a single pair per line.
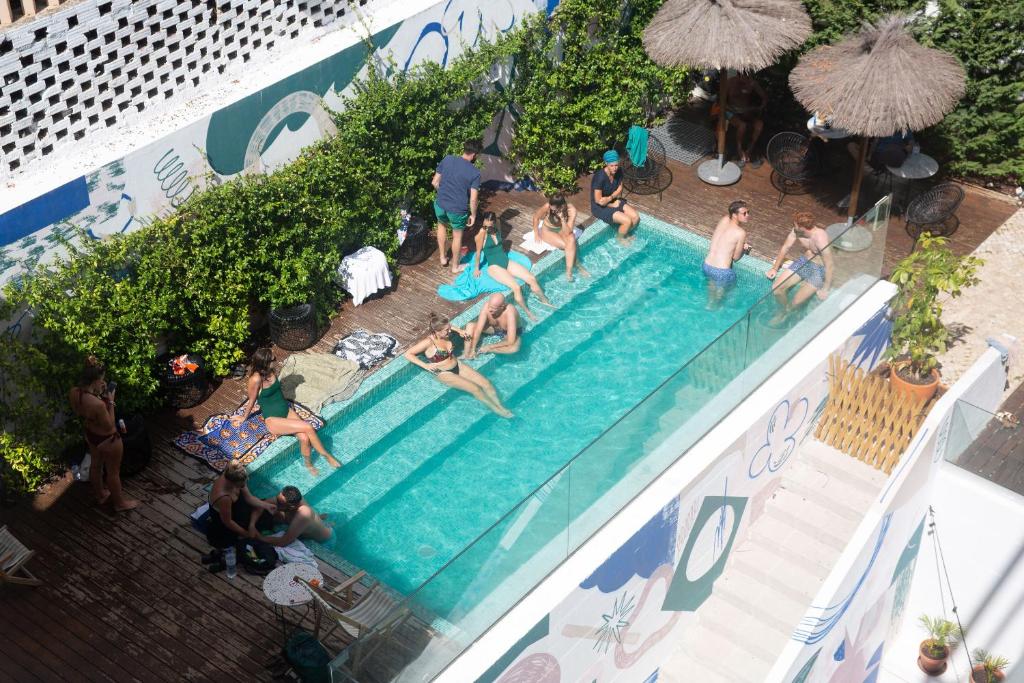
728,651
814,520
802,548
827,492
762,561
738,622
853,471
684,667
775,610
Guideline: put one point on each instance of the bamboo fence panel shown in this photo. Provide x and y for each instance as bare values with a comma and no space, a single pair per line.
866,418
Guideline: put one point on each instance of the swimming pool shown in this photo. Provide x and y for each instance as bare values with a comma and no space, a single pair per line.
427,471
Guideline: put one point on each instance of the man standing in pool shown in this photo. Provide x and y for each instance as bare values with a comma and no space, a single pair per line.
499,319
728,245
813,275
457,182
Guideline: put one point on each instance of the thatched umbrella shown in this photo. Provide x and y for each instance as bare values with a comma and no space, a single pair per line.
876,83
745,35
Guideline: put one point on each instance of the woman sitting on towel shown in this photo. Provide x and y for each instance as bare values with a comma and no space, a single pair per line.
554,223
439,352
490,250
265,386
235,513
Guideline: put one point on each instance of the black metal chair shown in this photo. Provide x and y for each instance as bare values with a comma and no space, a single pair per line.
935,211
653,176
793,161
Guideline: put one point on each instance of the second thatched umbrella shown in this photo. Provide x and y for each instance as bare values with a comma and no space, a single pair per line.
745,35
877,83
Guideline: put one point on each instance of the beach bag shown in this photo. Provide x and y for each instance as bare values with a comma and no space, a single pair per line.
258,558
308,658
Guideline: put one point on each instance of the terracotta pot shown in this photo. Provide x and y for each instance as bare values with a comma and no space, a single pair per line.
921,393
978,675
933,666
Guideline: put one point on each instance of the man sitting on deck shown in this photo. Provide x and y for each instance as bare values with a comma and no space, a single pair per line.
728,245
302,520
811,273
497,318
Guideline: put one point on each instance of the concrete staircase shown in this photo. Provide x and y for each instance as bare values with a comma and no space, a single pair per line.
775,571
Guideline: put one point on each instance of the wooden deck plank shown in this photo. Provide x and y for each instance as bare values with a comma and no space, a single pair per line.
153,607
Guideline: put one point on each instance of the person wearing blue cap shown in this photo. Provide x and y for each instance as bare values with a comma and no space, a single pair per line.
606,202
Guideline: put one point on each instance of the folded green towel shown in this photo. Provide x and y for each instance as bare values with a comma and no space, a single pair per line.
636,145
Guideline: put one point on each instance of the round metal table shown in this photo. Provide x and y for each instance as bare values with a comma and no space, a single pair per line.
917,166
818,129
283,591
857,238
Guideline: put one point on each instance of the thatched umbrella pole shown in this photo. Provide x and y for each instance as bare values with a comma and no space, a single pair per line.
723,81
878,82
745,35
858,178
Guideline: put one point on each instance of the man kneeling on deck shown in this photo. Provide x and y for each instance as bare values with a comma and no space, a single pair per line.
302,520
499,319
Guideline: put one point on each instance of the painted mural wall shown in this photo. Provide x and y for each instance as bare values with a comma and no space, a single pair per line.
254,134
626,618
843,636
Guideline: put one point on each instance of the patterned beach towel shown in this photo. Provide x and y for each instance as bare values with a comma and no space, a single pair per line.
218,442
366,348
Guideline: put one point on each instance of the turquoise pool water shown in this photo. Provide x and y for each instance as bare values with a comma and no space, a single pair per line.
427,470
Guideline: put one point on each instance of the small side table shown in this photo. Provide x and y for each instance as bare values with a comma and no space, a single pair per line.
364,273
283,591
917,166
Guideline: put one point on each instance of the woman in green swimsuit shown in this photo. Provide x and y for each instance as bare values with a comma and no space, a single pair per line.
554,223
439,352
264,386
489,246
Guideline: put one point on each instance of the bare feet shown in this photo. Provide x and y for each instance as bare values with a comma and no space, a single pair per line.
104,497
313,471
529,314
544,300
126,505
331,460
568,276
504,412
583,271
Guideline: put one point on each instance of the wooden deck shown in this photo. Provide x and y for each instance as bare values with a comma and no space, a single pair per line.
126,599
998,452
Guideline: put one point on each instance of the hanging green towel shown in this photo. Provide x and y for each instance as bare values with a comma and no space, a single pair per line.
636,145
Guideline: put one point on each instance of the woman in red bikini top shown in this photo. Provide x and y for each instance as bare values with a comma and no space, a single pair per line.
439,352
91,401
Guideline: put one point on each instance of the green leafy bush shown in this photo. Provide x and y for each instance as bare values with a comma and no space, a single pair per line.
581,80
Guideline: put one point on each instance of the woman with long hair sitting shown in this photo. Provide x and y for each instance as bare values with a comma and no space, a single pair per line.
439,352
264,385
554,224
491,251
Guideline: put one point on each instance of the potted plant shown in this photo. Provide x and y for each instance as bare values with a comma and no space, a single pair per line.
988,668
918,334
934,650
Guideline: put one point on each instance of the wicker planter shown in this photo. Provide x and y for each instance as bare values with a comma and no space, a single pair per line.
138,449
183,391
416,247
294,328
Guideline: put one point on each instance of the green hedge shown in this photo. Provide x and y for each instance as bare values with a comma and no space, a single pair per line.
193,280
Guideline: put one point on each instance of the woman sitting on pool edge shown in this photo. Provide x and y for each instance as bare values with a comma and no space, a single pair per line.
491,251
606,202
264,384
439,352
554,223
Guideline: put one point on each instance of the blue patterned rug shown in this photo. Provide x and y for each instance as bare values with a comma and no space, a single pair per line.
219,442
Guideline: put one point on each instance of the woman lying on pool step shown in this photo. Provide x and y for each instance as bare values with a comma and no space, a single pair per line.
439,352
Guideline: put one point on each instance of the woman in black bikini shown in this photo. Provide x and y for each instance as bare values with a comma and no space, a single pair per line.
235,513
439,352
92,402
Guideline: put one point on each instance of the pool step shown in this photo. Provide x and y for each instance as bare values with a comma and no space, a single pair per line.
775,571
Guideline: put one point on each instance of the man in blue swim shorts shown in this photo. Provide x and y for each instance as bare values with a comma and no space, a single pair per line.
812,271
728,245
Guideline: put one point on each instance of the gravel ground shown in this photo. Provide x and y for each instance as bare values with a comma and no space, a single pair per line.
993,307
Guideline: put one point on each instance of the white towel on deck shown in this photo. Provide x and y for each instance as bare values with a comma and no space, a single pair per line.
532,244
296,551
